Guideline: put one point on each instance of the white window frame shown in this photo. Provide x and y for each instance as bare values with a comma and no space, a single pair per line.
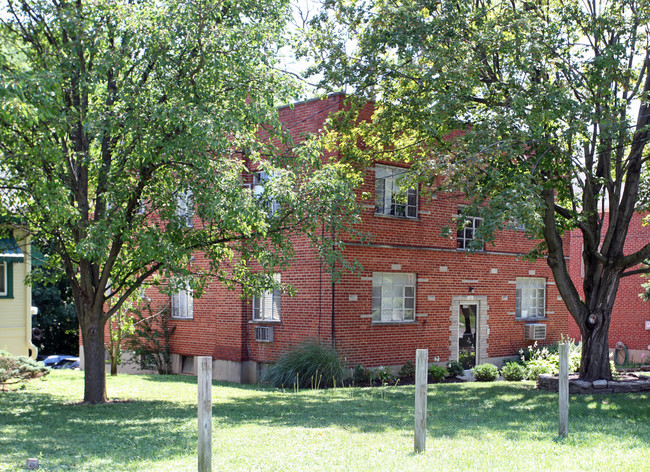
142,206
267,306
260,179
185,207
393,297
530,300
3,279
183,303
467,233
388,190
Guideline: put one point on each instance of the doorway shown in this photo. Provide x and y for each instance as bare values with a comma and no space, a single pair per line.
467,322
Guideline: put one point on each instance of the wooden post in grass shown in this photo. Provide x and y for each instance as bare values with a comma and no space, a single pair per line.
205,413
563,390
421,372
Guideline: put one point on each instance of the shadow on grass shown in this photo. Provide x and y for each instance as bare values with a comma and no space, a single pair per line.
75,434
127,431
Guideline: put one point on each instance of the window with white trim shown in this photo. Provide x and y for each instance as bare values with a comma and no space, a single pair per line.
467,232
391,195
393,296
531,298
183,303
266,306
3,279
259,181
185,207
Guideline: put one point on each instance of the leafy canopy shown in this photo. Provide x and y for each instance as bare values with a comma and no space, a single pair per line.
535,111
116,116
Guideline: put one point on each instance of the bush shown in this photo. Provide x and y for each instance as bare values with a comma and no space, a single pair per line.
309,365
361,375
150,339
437,373
19,369
513,372
384,375
467,359
536,367
551,354
407,371
546,359
485,372
455,368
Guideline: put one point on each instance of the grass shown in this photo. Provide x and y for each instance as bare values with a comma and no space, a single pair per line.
478,426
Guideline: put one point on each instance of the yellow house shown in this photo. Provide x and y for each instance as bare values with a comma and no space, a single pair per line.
16,296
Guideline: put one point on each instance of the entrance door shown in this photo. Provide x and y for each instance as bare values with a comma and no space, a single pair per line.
467,321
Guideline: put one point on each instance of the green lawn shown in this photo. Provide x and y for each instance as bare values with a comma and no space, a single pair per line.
472,426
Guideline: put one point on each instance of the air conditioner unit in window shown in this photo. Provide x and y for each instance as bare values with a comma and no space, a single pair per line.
264,334
535,331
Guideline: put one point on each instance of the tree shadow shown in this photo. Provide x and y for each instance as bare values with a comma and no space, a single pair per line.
145,430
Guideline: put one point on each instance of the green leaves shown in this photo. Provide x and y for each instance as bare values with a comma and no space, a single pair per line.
128,131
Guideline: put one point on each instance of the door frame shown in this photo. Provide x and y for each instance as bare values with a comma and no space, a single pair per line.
482,326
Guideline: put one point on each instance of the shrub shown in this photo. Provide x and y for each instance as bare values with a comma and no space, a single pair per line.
384,375
19,369
485,372
513,372
407,371
150,339
467,359
455,368
361,375
309,365
437,373
536,367
546,359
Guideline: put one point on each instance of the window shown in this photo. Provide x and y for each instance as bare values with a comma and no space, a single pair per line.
391,198
3,279
142,206
266,307
183,303
393,296
259,180
531,297
10,253
185,207
467,232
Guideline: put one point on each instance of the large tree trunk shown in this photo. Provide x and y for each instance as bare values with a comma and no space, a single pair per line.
594,363
94,363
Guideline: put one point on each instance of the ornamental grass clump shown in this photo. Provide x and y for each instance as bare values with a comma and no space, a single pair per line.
309,365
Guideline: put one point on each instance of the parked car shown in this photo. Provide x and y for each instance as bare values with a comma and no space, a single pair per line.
67,363
61,361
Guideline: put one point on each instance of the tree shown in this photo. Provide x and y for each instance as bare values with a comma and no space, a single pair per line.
126,129
535,110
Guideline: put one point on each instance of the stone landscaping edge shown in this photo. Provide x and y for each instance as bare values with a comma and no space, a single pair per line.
626,383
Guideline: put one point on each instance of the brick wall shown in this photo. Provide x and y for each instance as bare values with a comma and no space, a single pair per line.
630,312
222,324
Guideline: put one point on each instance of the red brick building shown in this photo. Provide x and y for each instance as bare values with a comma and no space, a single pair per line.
630,323
417,289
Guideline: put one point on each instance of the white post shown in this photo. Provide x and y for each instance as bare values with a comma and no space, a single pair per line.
421,373
205,413
563,390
